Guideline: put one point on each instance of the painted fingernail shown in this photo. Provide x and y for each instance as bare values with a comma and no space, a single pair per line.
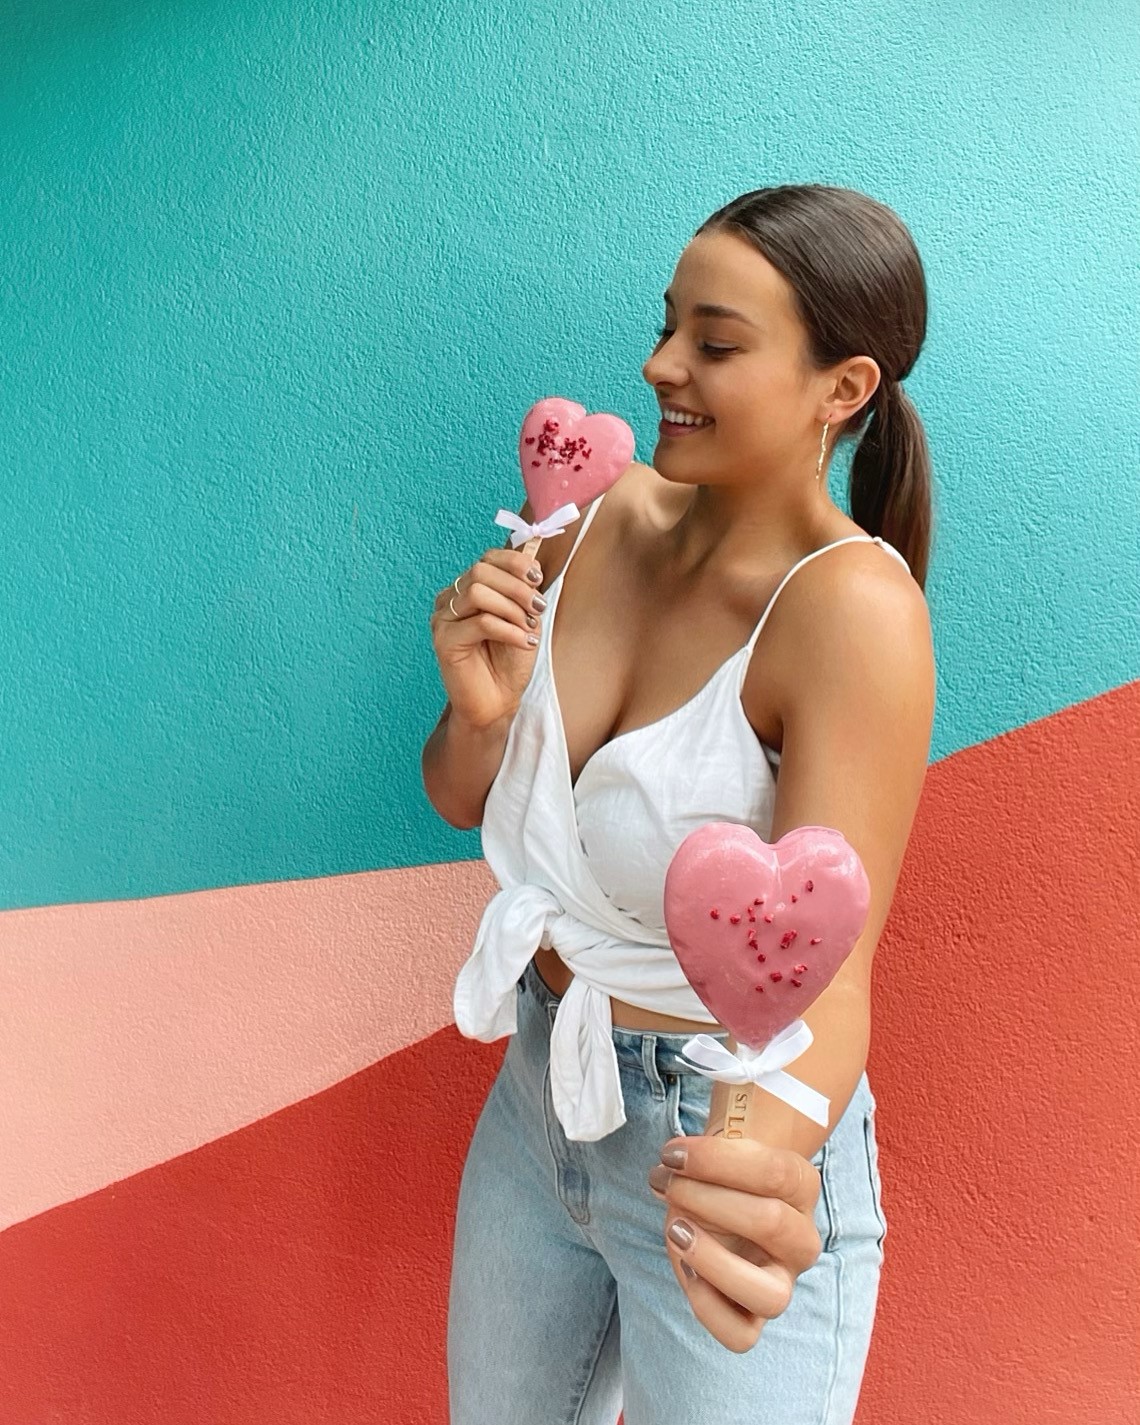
531,621
534,573
689,1272
674,1157
681,1233
532,640
659,1177
538,602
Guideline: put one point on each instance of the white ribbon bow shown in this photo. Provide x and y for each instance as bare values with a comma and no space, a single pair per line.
763,1067
543,529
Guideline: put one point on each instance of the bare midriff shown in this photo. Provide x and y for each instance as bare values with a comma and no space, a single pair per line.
556,974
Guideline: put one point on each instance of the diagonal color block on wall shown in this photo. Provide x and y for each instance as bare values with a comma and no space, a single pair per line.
1004,1060
296,1270
131,1031
293,1272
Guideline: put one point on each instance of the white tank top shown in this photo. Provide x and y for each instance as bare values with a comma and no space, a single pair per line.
582,867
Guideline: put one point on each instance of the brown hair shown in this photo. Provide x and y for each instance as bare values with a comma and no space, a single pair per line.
860,290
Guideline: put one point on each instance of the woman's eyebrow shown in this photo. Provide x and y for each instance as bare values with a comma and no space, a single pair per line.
711,309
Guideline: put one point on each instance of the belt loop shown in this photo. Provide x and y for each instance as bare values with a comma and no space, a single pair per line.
649,1064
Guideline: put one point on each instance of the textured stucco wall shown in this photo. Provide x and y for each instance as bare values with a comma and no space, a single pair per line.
279,281
281,278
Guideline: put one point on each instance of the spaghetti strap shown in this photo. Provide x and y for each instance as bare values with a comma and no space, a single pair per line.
892,550
850,539
582,528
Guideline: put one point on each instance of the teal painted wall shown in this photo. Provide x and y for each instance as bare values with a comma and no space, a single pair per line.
281,279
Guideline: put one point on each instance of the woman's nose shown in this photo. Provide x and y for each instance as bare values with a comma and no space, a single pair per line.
664,368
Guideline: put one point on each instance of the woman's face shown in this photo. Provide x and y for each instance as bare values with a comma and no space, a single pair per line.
733,353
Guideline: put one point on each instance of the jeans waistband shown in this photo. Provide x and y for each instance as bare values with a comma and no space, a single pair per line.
637,1048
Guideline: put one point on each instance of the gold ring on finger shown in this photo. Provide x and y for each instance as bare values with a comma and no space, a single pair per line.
456,580
454,610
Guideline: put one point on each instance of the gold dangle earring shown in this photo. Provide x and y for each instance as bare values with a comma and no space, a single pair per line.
822,449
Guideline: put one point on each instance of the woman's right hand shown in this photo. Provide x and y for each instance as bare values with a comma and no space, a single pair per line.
486,635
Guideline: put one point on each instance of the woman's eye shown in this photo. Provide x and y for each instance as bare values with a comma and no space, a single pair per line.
708,349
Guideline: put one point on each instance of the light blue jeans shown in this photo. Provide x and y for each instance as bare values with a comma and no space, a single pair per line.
563,1305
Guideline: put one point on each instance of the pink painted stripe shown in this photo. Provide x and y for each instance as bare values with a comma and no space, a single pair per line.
132,1031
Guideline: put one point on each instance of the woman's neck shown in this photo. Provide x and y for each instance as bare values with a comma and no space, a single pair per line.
747,527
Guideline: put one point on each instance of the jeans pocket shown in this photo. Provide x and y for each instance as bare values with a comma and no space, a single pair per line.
688,1098
872,1150
826,1218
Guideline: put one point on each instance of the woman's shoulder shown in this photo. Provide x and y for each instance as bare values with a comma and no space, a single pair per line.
841,610
860,577
847,599
629,502
857,584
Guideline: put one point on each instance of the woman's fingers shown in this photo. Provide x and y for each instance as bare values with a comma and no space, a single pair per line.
750,1166
516,563
461,634
762,1290
505,571
749,1214
479,597
775,1226
732,1324
496,600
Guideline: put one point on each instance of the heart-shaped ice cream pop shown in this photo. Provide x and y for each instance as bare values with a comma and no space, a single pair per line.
760,931
568,458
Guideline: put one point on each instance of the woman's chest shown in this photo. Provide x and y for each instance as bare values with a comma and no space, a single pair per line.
619,669
640,795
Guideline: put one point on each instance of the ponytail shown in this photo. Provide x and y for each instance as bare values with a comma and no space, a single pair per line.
860,288
891,481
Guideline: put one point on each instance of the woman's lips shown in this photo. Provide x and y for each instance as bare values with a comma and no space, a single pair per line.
677,429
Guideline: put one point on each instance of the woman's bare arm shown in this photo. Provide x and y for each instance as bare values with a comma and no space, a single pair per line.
459,763
460,760
853,674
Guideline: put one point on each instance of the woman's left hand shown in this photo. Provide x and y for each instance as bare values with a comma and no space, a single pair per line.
750,1209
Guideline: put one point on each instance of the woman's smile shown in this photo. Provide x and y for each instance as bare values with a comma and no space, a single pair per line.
676,421
683,428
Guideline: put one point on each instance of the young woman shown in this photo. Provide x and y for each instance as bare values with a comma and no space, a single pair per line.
593,1269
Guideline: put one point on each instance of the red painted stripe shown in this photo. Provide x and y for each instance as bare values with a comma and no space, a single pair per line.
297,1270
189,1016
1004,1063
294,1271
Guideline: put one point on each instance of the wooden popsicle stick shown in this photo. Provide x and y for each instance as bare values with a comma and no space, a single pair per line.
738,1110
531,546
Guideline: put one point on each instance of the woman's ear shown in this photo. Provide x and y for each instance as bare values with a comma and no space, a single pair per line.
855,384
